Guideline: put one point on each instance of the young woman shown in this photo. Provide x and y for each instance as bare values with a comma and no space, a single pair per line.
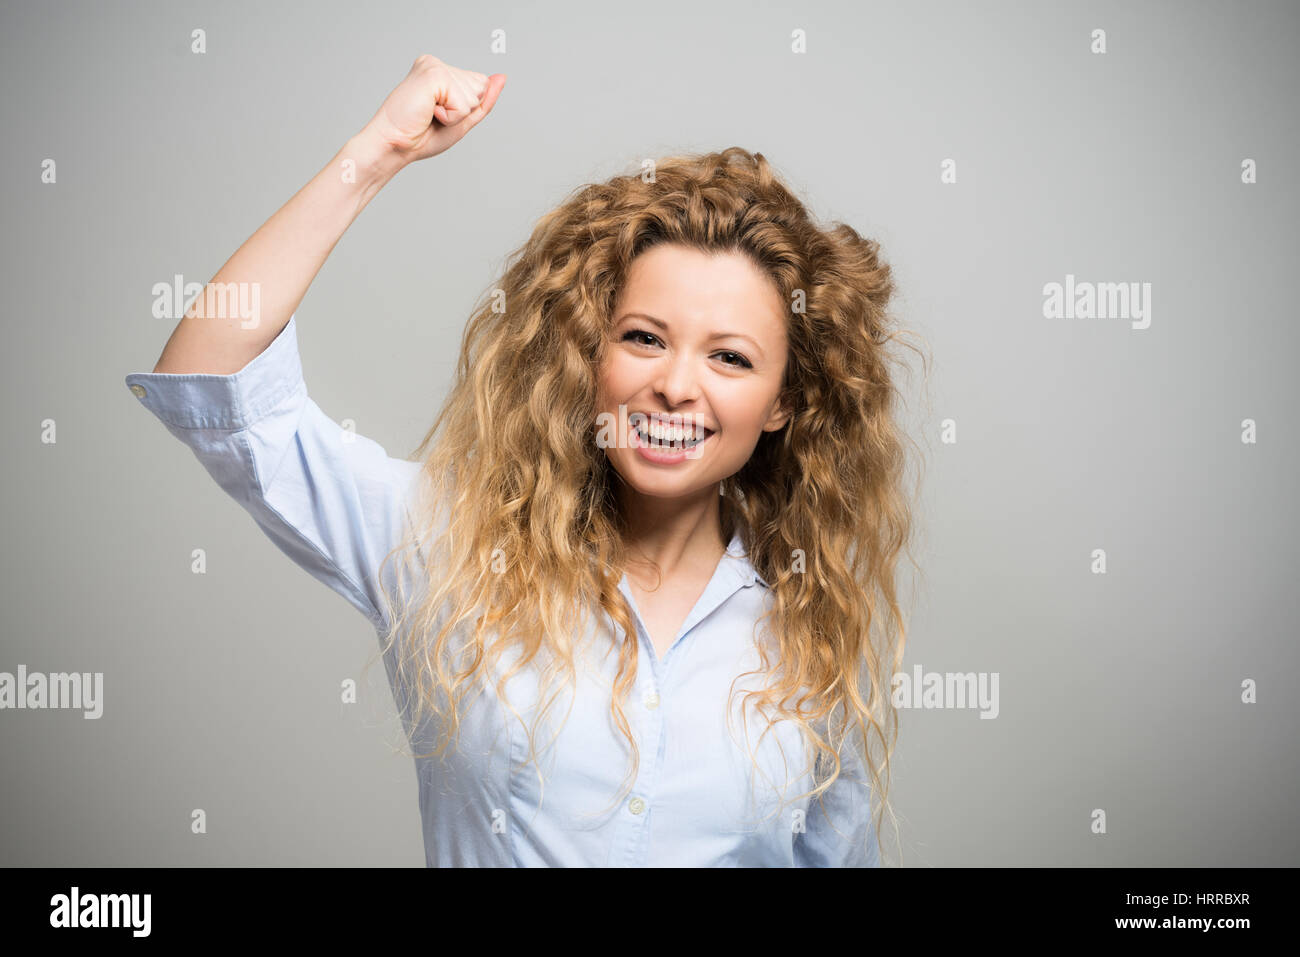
636,594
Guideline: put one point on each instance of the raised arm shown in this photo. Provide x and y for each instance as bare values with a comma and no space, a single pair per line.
427,113
234,392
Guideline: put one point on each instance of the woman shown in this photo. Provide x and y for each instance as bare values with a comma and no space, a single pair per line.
645,561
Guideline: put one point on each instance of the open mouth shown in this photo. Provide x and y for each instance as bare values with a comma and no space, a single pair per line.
681,444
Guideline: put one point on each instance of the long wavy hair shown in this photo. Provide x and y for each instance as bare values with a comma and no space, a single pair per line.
518,534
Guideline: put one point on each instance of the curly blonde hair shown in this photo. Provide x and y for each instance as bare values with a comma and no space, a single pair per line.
518,532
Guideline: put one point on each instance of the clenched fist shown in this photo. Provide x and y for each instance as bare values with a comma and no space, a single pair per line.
433,107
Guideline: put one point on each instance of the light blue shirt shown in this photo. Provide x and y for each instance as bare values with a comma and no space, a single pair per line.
335,502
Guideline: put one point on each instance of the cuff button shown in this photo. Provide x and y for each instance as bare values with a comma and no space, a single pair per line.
138,390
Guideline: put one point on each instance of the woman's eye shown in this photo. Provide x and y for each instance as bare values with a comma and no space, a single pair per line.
735,358
743,363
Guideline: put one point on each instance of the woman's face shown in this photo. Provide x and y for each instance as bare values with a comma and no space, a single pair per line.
697,339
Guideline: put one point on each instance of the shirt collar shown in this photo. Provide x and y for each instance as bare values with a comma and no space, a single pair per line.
736,549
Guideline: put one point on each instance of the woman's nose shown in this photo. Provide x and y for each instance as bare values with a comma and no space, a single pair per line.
678,380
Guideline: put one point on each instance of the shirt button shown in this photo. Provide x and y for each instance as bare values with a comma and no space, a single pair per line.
138,390
652,701
636,805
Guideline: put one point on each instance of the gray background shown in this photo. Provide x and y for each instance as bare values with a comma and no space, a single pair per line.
1118,691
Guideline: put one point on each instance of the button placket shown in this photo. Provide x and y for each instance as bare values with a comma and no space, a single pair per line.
651,745
635,837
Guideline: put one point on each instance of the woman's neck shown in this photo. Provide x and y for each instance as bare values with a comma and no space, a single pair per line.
664,536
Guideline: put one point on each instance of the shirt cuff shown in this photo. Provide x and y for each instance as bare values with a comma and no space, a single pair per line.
228,402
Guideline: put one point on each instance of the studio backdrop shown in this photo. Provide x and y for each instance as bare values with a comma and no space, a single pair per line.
1090,210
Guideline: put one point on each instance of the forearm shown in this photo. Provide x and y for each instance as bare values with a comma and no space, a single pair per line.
277,264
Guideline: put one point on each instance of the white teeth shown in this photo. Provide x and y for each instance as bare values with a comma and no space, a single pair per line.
656,434
673,433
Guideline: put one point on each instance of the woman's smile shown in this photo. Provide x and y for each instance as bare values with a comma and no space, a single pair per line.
672,447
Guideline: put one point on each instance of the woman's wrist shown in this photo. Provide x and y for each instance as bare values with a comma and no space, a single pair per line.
374,161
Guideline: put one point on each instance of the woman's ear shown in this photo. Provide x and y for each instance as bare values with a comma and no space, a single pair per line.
779,417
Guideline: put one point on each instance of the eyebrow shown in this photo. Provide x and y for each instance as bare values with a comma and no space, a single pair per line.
712,335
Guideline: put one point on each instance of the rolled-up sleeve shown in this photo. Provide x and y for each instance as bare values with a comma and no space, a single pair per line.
839,831
332,500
